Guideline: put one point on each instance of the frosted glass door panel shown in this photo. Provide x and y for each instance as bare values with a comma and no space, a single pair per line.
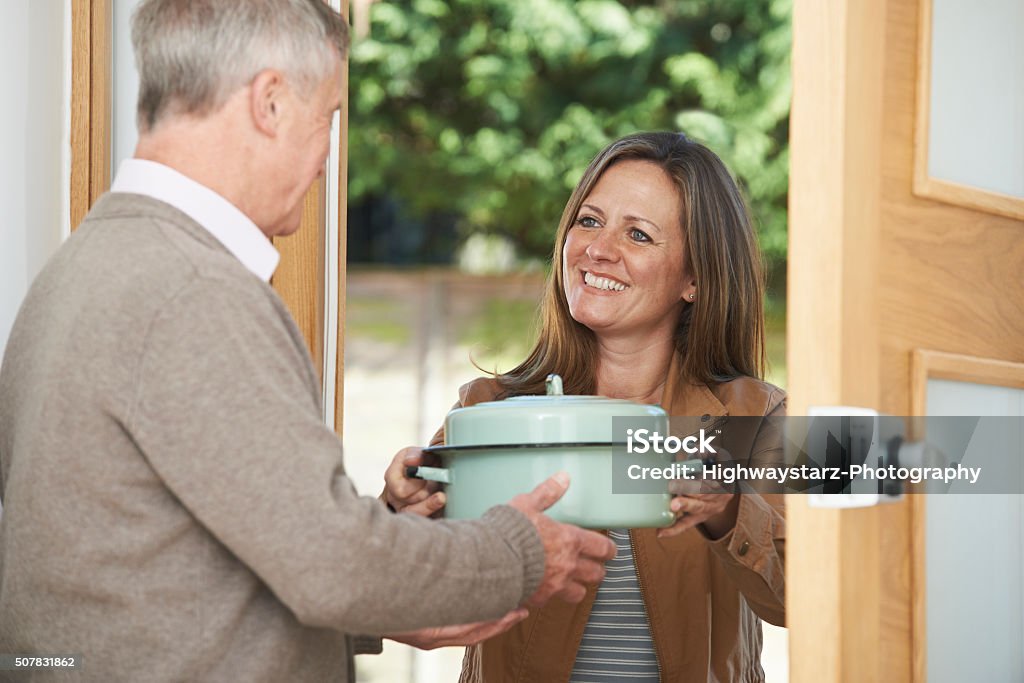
975,559
976,130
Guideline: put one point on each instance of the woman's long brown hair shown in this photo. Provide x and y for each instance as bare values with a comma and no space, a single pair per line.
719,336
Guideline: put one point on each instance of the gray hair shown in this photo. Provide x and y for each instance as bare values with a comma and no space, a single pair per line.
192,54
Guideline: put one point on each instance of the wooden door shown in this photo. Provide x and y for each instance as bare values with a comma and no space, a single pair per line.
885,264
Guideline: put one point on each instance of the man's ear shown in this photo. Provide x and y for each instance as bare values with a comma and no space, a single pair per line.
266,95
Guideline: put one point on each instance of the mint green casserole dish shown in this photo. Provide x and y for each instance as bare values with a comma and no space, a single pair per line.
495,451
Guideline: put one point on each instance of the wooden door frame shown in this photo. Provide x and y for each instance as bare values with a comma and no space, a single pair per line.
300,277
91,29
837,560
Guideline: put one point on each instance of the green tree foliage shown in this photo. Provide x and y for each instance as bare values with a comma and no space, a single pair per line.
491,109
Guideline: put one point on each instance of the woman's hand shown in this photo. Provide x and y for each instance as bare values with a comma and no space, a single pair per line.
716,511
705,502
463,634
410,495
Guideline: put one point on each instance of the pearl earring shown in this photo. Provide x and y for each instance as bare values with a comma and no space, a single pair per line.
691,297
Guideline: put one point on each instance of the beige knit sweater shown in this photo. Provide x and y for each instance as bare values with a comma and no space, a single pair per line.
174,507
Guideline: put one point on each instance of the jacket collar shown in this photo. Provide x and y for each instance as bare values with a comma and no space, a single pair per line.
685,398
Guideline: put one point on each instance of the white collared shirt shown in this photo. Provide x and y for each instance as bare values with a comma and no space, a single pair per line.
221,218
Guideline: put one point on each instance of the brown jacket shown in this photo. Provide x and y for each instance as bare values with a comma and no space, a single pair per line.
703,596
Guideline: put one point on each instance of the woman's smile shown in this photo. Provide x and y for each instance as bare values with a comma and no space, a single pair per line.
603,283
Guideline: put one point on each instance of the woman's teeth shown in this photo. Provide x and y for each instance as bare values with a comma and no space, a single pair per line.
603,283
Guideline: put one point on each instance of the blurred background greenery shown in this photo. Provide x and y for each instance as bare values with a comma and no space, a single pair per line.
474,117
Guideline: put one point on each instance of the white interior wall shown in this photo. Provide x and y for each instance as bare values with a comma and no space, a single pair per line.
32,167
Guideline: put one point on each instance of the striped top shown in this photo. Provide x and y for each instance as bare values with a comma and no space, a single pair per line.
617,641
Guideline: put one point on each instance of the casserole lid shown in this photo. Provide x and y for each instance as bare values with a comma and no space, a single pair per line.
551,419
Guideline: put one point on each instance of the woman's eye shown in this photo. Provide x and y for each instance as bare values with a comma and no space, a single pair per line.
638,235
587,222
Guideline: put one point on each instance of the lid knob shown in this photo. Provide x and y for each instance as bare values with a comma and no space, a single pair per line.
553,383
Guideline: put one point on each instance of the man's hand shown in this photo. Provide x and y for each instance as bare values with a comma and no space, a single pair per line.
410,495
573,557
463,634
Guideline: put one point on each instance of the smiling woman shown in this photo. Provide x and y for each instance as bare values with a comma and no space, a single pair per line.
624,260
655,297
665,210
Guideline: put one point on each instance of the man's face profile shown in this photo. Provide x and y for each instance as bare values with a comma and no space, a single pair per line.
303,146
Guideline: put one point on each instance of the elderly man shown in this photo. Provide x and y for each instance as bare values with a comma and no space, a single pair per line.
174,508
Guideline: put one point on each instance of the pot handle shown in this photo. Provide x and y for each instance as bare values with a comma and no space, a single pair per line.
440,474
